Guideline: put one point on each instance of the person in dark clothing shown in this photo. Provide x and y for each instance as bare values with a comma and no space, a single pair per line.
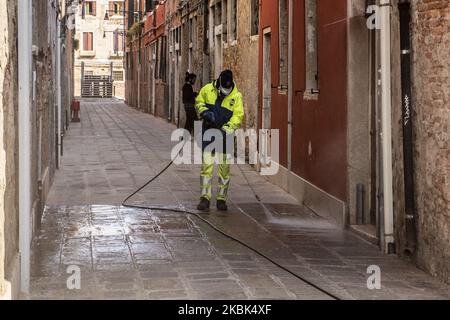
189,101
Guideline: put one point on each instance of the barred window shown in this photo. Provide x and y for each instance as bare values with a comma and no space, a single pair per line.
117,75
254,29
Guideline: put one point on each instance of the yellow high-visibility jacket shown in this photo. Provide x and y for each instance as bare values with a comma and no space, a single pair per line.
229,114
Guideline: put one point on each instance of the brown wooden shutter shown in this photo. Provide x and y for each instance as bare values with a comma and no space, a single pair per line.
85,41
91,41
121,41
94,8
88,41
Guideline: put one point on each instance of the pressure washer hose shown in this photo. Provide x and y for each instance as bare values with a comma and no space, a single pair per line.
198,216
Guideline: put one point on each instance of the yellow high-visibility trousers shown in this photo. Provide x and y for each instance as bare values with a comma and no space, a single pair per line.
206,176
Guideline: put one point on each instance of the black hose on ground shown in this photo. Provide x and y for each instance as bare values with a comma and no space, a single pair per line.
199,217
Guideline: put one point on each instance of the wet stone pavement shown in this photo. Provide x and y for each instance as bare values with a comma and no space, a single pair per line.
126,253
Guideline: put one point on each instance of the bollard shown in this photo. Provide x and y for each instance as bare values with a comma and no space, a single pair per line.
75,111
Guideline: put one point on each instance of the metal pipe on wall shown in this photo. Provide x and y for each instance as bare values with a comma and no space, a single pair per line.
408,159
59,91
360,194
386,126
205,28
24,14
290,82
205,68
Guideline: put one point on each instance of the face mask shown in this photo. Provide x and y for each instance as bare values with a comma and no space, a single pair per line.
225,91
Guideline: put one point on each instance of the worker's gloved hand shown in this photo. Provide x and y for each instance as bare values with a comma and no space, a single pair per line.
227,130
209,118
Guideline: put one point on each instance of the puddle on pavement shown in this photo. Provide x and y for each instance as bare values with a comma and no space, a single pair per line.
289,216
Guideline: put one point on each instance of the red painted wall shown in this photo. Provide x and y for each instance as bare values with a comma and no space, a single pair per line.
148,26
151,31
279,115
321,122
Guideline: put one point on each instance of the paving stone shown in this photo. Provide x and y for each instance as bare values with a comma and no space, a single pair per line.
125,253
167,295
159,284
269,293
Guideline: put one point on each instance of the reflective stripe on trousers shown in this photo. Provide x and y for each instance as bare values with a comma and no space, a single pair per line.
206,176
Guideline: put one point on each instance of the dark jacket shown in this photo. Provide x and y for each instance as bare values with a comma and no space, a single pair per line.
188,94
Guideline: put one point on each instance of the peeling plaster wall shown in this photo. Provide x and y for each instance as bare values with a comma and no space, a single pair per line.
431,94
241,56
199,62
8,137
358,110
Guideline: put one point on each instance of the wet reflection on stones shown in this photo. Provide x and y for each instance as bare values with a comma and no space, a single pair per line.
125,253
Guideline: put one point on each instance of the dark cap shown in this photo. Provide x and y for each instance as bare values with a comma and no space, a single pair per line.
226,79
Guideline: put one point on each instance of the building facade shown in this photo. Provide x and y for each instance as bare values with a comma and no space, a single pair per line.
172,38
100,37
430,43
34,121
361,142
162,46
9,215
343,108
306,98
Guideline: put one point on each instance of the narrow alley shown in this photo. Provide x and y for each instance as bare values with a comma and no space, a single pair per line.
148,254
337,112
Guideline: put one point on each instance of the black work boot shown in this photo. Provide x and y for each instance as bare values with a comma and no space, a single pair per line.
221,205
203,205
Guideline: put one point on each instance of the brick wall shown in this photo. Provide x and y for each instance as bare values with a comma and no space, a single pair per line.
431,87
430,32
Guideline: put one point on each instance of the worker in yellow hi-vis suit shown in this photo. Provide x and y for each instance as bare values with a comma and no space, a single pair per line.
219,105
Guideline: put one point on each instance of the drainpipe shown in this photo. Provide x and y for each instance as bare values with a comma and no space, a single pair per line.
141,26
205,28
408,161
170,60
24,14
290,82
386,126
58,86
205,64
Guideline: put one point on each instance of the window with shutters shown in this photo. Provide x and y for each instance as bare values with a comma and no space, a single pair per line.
91,7
117,75
233,20
224,14
88,41
116,8
118,44
218,14
121,42
311,54
254,19
283,43
192,40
